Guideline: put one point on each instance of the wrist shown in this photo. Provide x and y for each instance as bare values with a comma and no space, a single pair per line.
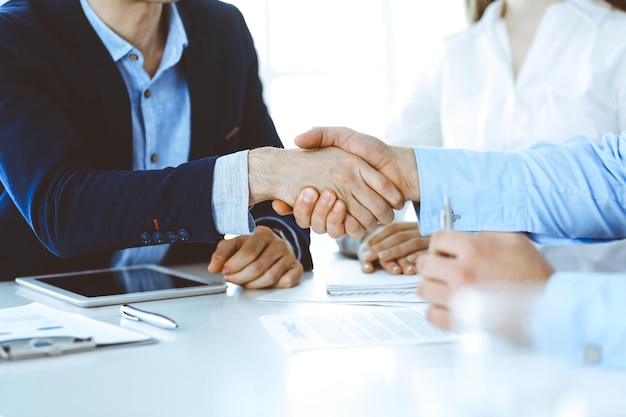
408,175
263,183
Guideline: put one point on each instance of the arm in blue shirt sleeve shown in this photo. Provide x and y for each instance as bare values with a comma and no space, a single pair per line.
573,190
231,195
579,313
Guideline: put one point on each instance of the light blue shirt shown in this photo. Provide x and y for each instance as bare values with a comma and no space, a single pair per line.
571,190
582,317
161,121
574,190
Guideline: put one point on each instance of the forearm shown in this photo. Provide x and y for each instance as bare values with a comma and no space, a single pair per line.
547,189
87,203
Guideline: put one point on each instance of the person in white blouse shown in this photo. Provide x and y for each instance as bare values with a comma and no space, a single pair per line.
524,71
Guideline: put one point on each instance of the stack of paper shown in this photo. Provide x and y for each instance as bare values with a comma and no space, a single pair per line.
377,281
345,276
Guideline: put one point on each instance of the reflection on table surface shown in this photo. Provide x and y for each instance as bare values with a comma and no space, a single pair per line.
222,362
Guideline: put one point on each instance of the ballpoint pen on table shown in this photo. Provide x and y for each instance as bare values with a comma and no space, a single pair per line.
446,214
159,320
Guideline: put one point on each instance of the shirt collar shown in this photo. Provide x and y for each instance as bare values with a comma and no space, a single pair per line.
118,47
593,11
176,40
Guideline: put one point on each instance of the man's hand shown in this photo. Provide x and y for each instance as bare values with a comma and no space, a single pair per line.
394,162
456,259
259,260
329,213
393,247
281,174
323,214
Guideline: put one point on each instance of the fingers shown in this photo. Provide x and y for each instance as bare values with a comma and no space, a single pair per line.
394,229
284,273
281,207
321,137
434,291
354,228
450,242
367,147
257,261
392,266
325,214
399,246
393,247
442,268
440,317
225,249
387,190
304,206
290,279
366,266
371,150
321,210
407,267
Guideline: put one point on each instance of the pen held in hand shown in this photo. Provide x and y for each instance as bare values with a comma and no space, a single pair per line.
446,214
155,319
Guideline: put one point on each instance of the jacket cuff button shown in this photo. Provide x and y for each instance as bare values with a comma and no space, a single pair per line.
145,238
184,235
158,237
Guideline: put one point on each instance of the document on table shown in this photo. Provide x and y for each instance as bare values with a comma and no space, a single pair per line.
28,327
345,276
348,270
383,326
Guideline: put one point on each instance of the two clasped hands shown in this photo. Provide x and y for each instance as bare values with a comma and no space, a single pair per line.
345,182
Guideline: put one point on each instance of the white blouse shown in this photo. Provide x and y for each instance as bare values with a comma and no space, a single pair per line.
572,81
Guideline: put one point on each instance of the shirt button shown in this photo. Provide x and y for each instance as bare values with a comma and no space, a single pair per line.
133,57
153,158
147,93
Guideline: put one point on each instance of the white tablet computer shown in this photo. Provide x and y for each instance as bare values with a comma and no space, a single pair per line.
124,285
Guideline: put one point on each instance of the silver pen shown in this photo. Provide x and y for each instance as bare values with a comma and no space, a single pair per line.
446,214
159,320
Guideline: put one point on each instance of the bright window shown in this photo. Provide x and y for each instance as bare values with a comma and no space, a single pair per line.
342,62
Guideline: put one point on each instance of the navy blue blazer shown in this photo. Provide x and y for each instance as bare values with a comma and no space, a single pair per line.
68,196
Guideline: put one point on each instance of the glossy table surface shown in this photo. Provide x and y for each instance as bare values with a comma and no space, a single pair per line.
222,362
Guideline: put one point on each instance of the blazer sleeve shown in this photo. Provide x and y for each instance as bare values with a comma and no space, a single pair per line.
74,205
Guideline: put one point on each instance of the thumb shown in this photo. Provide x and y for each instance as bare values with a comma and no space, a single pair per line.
281,207
366,147
320,137
223,252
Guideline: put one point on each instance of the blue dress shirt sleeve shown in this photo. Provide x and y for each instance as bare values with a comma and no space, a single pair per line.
231,195
573,190
580,316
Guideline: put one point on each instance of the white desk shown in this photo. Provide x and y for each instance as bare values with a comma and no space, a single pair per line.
222,362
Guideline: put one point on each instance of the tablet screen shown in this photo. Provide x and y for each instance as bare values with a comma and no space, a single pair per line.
104,283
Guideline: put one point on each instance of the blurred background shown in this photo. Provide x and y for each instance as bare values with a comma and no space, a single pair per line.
343,62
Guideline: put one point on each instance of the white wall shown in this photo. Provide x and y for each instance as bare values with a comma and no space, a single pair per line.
342,62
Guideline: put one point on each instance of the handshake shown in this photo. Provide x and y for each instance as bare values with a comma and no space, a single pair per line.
361,180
